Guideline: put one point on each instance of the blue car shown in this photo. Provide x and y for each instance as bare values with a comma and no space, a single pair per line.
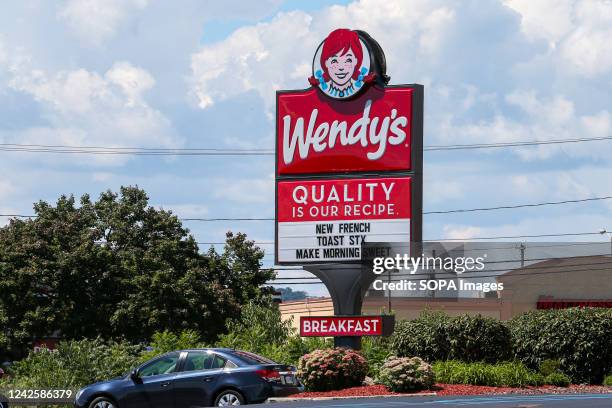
194,378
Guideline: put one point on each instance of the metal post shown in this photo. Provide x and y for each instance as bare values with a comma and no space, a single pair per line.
347,285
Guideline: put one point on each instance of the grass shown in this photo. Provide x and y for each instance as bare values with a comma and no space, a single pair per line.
509,374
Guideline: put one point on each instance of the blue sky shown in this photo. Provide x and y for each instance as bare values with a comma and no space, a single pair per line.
203,74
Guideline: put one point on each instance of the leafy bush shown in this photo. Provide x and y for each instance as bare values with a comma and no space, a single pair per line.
258,325
578,337
163,342
509,374
436,336
558,379
375,350
478,338
608,380
74,364
550,366
403,374
425,337
260,329
332,369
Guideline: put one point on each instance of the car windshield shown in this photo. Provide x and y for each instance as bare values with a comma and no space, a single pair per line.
252,358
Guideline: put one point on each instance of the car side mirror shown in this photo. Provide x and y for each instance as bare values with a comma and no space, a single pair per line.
135,375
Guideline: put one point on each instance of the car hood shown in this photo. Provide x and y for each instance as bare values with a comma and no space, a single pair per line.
107,382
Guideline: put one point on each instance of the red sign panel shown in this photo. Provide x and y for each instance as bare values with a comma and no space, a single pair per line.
316,134
316,326
344,199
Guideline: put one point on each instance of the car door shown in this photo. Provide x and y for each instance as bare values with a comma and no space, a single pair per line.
195,384
155,385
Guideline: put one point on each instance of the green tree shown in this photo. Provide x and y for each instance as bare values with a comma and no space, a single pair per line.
118,267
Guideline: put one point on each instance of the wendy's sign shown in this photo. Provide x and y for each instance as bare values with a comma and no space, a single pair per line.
348,156
372,131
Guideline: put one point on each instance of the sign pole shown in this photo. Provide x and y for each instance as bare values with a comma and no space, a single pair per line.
347,285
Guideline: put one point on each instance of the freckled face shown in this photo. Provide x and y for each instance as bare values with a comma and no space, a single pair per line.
341,67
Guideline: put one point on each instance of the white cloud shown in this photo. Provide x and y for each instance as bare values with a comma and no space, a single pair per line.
133,81
544,19
6,188
243,61
187,210
461,232
589,50
539,118
3,54
98,20
246,191
277,55
84,108
545,224
578,32
101,177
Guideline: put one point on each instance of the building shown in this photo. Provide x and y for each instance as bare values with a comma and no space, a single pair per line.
554,283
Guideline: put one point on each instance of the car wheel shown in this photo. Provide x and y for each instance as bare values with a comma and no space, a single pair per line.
229,398
102,402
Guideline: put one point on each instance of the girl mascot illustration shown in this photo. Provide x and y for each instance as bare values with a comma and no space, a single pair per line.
342,67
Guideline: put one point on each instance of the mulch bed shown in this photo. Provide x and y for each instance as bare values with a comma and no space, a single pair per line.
460,389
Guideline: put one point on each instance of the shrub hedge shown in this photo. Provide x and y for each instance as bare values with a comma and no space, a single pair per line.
436,336
425,337
478,338
558,379
580,338
608,380
74,364
403,374
332,369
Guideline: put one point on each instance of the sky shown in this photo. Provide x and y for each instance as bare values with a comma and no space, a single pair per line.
203,74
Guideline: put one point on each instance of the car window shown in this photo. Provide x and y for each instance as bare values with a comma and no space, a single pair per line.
163,365
217,362
197,360
203,360
252,358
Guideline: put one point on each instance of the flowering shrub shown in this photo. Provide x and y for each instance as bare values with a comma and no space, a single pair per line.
402,374
332,369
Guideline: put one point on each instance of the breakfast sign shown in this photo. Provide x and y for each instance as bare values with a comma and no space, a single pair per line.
348,157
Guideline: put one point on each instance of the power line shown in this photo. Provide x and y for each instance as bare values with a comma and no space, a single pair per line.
149,151
461,210
138,151
529,267
567,234
514,144
466,277
226,219
505,207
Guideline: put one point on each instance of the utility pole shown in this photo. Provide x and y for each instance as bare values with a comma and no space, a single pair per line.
603,231
522,248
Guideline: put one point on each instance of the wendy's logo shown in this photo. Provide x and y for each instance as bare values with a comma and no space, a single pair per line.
343,63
